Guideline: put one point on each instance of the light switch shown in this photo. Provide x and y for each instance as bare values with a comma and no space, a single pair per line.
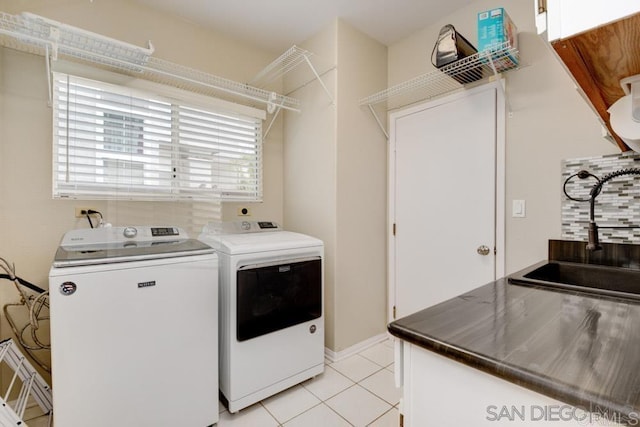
518,209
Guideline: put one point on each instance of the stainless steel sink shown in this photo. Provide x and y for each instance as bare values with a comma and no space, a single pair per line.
613,281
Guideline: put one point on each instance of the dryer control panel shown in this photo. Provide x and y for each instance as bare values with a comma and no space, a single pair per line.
249,227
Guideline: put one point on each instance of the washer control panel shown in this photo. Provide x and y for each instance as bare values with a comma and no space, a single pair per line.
164,231
138,233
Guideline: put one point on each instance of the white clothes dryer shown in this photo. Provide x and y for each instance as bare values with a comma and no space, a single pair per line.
271,309
134,329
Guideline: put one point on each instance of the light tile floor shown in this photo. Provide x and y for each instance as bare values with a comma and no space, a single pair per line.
357,391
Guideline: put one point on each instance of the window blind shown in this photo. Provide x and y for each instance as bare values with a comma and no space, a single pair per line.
113,142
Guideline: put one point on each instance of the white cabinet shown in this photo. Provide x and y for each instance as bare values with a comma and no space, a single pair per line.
565,18
438,391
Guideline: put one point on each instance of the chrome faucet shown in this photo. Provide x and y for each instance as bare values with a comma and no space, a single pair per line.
594,243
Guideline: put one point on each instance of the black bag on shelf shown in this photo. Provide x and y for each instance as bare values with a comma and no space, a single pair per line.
450,47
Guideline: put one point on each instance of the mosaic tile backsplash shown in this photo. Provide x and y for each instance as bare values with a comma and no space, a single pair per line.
617,205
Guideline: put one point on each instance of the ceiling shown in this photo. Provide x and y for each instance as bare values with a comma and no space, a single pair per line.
276,25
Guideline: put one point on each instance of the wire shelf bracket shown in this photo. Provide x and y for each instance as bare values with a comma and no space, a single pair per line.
42,36
288,61
452,77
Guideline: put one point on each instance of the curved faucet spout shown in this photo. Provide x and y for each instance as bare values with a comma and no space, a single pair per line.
594,242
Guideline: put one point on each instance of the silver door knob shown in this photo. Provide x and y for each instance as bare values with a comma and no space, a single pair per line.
483,250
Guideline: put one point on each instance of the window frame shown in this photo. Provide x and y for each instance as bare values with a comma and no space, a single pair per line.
179,101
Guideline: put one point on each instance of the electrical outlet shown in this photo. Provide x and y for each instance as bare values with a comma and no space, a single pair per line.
81,212
244,212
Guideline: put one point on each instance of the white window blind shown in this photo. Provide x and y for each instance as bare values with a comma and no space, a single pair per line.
111,142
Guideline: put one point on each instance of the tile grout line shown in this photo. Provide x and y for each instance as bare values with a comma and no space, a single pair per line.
269,412
335,412
381,368
379,397
391,406
373,361
321,402
390,410
371,391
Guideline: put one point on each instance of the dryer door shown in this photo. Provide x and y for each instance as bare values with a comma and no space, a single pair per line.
275,296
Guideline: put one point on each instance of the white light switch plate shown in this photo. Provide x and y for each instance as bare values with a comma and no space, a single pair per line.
518,209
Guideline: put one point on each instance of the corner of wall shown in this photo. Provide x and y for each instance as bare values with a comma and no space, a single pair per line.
361,285
309,153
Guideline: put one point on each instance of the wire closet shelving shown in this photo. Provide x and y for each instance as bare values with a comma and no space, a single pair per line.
285,63
438,82
38,35
278,68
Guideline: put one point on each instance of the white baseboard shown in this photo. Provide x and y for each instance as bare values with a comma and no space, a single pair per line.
334,356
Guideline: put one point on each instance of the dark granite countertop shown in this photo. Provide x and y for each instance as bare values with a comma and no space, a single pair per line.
578,348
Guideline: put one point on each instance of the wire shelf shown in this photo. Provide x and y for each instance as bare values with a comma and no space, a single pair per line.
286,62
37,35
15,35
451,77
197,81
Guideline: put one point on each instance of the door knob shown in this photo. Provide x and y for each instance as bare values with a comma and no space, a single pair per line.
483,250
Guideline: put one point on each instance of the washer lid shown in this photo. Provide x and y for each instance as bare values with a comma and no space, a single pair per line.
234,244
124,244
70,256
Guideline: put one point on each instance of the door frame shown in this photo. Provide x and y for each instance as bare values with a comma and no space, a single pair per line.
500,162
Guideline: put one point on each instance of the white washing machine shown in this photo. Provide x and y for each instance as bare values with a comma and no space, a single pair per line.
271,310
134,329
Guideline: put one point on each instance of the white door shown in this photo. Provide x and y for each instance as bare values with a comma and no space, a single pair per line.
444,189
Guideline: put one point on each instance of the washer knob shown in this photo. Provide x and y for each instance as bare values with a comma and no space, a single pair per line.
246,225
130,232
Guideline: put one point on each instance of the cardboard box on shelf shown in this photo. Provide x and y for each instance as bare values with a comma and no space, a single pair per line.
496,32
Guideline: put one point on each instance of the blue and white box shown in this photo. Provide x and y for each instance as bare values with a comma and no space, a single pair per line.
496,32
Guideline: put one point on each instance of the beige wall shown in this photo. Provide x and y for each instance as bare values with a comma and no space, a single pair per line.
549,122
361,271
31,222
309,161
335,185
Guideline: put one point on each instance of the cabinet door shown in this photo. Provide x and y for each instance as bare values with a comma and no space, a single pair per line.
441,392
566,18
443,199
